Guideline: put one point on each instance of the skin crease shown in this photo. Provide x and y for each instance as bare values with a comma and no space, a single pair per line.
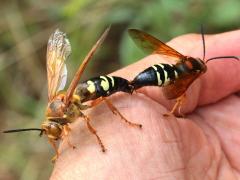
203,145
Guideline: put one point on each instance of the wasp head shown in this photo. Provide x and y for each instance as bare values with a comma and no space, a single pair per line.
53,130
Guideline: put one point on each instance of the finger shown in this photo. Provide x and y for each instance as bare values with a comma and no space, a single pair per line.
221,79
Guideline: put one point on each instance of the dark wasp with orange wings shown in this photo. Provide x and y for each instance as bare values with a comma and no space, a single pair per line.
65,107
174,78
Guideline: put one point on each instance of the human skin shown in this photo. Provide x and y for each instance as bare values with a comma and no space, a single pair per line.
203,145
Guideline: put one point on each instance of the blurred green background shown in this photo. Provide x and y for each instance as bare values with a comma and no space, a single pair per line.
25,27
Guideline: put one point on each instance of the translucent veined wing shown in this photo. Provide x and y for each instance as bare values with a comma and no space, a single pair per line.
58,50
151,44
63,78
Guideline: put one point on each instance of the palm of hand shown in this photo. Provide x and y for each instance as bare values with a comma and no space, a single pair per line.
212,140
204,145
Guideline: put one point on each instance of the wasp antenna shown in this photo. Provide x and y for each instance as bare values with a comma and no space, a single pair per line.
224,57
21,130
203,41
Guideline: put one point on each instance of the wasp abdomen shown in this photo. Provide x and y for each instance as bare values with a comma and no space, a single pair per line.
156,75
102,86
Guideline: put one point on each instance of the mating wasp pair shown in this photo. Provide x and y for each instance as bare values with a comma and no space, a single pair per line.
65,107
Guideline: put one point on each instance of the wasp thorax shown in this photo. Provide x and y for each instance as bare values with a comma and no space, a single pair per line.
52,129
86,91
56,107
196,65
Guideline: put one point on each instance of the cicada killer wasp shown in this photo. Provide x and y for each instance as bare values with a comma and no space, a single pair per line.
174,78
65,107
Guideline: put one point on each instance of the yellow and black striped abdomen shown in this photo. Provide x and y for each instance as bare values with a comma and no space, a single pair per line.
102,86
156,75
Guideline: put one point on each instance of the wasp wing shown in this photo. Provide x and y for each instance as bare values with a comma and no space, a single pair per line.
63,78
58,50
152,45
180,86
82,67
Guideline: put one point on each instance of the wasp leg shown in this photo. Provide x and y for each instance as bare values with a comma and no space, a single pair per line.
116,112
134,91
92,130
83,106
96,102
65,135
51,141
183,98
178,104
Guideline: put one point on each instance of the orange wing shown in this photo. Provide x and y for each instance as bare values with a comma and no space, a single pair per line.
152,45
82,67
180,86
58,50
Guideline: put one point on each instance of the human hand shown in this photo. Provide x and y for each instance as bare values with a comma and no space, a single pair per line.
204,145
